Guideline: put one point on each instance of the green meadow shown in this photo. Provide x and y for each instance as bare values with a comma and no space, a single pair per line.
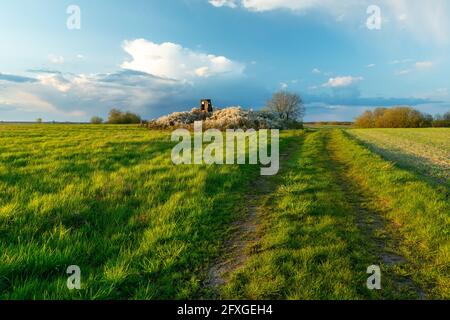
108,199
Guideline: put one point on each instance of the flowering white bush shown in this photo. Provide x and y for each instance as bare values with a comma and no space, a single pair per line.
178,119
228,118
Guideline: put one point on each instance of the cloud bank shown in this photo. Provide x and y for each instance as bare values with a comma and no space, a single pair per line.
340,82
171,60
429,20
157,77
58,94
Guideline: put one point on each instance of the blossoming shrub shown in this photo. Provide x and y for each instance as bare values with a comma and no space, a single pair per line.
222,119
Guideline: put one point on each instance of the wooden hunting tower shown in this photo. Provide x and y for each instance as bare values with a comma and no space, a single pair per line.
206,105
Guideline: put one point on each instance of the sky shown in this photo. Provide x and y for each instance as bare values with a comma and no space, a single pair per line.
71,60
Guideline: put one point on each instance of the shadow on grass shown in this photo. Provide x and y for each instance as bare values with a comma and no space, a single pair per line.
423,168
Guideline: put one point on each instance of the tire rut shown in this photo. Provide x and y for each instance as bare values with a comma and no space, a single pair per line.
381,232
245,238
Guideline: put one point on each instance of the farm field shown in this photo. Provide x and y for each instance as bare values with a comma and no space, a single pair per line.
338,209
425,150
108,199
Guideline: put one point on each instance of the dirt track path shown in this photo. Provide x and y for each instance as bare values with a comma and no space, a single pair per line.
378,233
246,236
381,233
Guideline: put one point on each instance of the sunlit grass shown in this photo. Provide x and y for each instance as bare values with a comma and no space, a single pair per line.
419,210
108,199
424,150
312,246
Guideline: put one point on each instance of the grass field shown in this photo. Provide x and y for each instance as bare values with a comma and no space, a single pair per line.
338,209
423,150
108,199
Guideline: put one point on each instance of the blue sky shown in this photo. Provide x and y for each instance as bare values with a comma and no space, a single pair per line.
154,57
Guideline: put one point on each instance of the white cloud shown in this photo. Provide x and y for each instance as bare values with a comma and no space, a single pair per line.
283,85
55,59
402,17
424,64
340,82
56,81
372,65
67,95
298,5
170,60
442,92
403,72
419,65
202,72
401,61
25,101
316,71
429,20
132,89
154,81
223,3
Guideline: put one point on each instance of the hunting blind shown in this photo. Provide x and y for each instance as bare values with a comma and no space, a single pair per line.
206,105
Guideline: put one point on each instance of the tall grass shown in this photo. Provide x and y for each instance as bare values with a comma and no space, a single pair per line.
311,247
108,199
423,150
318,238
420,211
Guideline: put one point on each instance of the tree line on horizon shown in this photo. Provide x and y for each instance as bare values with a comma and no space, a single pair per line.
290,106
118,117
400,117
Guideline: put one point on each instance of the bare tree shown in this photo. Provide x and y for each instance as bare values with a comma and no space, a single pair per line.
289,106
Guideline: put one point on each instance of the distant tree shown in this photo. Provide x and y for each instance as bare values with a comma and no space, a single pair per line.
119,117
427,121
114,116
39,120
378,114
446,116
441,123
397,117
366,120
442,120
96,120
288,106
